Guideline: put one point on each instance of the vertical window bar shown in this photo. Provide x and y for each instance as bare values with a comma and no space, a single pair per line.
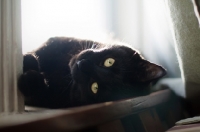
10,56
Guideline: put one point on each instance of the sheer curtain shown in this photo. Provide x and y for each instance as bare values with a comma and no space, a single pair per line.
42,19
141,23
144,25
10,56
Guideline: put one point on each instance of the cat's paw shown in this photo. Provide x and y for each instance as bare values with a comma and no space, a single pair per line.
30,62
31,83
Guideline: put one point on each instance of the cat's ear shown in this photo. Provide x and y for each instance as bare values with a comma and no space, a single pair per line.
150,71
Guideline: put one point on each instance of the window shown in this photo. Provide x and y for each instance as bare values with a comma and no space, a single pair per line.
138,23
130,21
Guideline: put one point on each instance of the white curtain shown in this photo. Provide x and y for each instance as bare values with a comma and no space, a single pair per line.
10,56
144,24
186,33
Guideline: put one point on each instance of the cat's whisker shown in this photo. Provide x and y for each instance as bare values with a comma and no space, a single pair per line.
59,95
86,45
65,88
94,45
89,45
82,45
97,45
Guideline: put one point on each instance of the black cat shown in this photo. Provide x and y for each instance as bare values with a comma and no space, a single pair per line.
67,72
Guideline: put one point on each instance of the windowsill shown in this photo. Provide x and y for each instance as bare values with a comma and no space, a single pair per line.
73,119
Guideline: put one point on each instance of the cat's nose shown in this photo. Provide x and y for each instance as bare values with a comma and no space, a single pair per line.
78,63
84,65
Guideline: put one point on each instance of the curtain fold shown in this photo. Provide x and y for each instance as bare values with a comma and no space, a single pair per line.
10,56
186,33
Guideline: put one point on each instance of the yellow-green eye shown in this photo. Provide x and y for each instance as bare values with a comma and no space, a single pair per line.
94,87
109,62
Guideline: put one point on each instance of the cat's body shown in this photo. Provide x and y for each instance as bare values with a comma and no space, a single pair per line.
67,72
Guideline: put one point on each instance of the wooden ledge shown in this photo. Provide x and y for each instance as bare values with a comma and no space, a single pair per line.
78,118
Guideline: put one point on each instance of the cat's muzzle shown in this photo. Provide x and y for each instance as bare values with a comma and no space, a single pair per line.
85,65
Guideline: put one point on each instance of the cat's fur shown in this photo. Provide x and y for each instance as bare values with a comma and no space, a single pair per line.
60,73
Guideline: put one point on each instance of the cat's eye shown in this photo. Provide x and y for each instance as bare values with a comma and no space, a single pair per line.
109,62
94,87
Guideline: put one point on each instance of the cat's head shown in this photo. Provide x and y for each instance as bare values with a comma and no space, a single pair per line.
111,73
